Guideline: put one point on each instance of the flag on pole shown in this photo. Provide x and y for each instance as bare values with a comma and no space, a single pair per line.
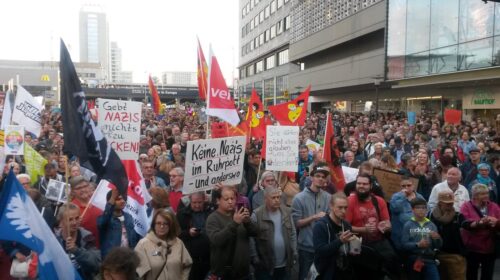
82,138
27,111
220,102
21,222
138,196
331,155
292,112
155,98
255,116
202,73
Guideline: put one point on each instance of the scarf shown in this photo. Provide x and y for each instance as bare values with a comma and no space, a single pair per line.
485,181
443,217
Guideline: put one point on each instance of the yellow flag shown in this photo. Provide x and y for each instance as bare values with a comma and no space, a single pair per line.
35,163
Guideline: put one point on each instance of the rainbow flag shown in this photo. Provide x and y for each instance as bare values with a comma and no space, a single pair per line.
155,98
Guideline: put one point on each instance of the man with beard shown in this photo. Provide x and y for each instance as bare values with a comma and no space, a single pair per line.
309,206
369,216
448,222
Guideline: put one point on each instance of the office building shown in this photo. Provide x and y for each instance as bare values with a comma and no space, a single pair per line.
179,78
118,76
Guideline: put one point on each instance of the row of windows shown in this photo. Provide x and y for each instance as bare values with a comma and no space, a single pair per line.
275,4
265,64
260,17
266,36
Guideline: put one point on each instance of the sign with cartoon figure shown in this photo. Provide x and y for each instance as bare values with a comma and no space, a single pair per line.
14,140
255,119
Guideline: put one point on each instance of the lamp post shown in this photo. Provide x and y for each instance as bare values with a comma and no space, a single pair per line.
376,83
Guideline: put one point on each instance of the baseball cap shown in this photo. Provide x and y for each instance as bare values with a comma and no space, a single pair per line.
323,168
446,197
474,150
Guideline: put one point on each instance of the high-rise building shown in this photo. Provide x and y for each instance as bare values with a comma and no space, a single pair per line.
118,76
179,78
94,38
263,56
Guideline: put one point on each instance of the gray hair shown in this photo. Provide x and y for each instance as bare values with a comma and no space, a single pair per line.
65,208
477,188
266,174
23,176
179,171
270,191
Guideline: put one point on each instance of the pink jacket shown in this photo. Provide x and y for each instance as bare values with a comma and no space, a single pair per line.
480,240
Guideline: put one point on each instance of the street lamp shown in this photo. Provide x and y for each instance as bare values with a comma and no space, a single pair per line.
376,83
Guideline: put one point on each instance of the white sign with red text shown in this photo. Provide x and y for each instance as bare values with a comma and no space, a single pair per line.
120,122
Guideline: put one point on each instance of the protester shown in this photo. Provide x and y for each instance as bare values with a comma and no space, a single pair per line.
229,230
192,221
162,254
274,249
78,243
309,206
175,188
483,177
148,171
452,183
479,231
116,228
120,264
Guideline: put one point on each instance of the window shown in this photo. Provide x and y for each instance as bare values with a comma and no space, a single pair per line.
267,11
273,6
280,3
244,12
270,62
287,22
259,67
250,70
261,39
273,31
252,4
251,24
243,30
242,73
252,45
256,20
279,27
283,57
256,42
267,35
261,16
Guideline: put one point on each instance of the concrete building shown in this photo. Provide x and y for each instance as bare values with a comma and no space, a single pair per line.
94,38
179,78
118,76
264,50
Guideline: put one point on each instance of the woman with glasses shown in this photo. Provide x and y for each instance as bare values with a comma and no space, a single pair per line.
163,255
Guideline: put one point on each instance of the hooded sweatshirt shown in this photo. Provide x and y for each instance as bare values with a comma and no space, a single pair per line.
413,232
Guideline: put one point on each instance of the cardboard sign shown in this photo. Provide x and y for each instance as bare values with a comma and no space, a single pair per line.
14,140
57,191
120,122
452,116
391,182
213,161
282,148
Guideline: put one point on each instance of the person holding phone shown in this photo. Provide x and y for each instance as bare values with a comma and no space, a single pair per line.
331,236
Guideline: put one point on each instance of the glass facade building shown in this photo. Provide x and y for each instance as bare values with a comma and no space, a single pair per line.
428,37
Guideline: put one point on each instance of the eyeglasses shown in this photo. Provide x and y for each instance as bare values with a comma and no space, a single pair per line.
160,224
173,176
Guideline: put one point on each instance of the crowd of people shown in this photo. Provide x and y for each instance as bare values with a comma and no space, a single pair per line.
285,225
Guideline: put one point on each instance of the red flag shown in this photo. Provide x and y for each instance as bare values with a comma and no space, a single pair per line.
293,112
452,116
255,116
155,98
219,129
220,102
202,73
331,155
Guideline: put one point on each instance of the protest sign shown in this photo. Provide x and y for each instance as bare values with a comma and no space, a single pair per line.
452,116
120,122
282,148
56,191
313,146
391,182
350,173
35,163
412,118
213,161
27,111
14,140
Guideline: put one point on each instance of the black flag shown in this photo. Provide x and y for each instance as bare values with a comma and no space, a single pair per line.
82,138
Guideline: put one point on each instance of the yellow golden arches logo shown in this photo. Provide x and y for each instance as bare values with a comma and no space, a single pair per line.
45,78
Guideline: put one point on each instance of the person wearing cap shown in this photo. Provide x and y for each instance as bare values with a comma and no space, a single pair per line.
401,211
116,228
420,239
369,216
309,206
483,177
479,232
81,194
448,222
470,167
452,183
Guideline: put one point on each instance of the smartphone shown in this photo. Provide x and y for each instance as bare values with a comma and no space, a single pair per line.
240,205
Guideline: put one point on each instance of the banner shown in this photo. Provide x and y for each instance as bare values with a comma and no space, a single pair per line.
282,148
14,140
412,118
213,161
120,122
452,116
35,163
391,182
27,111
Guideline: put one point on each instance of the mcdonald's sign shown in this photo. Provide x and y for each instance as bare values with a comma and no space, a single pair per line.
45,78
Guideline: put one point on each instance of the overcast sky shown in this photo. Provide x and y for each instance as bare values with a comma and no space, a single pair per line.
154,36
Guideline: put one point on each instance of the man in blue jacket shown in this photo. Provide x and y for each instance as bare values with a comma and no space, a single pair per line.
116,228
